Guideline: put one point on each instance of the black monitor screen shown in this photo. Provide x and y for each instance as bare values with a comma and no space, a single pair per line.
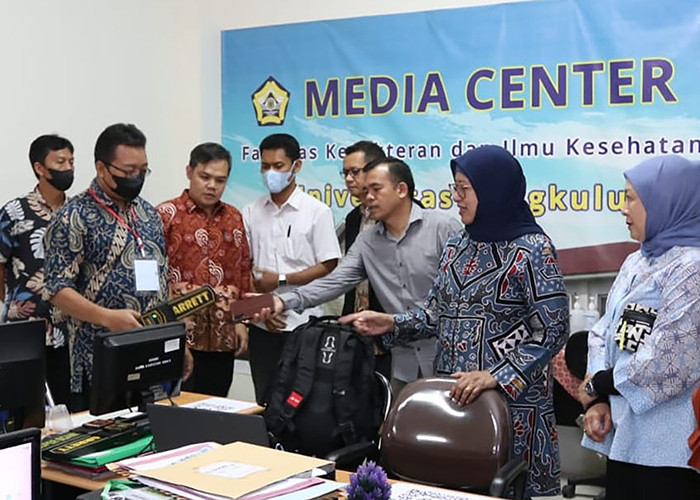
136,367
20,464
22,374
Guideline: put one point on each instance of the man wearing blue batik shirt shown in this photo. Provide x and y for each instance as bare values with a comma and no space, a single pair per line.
92,245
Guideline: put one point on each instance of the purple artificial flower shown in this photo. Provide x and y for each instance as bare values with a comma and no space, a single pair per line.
369,483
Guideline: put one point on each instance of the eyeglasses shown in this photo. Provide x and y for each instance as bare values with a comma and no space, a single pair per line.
457,189
131,172
353,172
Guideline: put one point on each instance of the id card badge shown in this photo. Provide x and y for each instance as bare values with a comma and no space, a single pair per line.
147,277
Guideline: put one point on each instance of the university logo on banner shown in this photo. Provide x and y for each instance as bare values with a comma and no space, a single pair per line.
270,102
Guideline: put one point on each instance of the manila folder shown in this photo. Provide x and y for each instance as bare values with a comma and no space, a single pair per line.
236,469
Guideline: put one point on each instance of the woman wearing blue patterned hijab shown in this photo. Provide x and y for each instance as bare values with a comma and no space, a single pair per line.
668,187
498,308
644,353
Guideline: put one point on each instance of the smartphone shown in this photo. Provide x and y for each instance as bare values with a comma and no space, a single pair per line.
98,423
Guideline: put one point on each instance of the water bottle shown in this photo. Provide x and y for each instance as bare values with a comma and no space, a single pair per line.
577,317
592,314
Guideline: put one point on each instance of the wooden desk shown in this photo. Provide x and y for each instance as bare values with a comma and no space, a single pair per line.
58,476
344,477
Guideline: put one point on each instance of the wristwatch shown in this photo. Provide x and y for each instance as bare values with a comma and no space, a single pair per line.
590,388
281,280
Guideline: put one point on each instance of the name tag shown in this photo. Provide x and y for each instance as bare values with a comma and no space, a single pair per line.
146,272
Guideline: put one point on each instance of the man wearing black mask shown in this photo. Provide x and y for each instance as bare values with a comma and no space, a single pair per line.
105,252
23,222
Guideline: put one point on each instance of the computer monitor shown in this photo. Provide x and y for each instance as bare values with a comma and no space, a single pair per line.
20,464
22,374
136,367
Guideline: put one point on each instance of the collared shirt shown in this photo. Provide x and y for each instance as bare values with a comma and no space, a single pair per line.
23,222
401,271
291,238
653,415
89,250
207,249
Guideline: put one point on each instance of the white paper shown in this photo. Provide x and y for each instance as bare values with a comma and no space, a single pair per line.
221,404
411,491
163,458
316,491
137,494
146,272
80,418
178,490
230,470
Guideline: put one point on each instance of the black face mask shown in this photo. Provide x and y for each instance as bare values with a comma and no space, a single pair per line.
129,187
60,179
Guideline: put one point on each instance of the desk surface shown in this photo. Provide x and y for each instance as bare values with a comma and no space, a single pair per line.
344,477
58,476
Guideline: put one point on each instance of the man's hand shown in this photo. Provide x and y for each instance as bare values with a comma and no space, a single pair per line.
266,313
276,323
265,281
369,322
116,320
187,364
468,386
597,422
241,332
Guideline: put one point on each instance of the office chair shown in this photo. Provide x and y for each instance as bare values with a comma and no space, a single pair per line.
566,410
350,457
427,438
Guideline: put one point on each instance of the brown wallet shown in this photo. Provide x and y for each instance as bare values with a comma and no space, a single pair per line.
245,308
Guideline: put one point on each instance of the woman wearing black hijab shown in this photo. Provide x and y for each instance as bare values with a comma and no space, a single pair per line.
498,307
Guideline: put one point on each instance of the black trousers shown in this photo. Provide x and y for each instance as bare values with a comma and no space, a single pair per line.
58,373
264,352
639,482
213,373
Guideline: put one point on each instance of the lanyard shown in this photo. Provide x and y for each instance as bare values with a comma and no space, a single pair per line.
132,229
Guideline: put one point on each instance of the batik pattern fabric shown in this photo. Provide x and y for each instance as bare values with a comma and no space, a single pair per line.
653,415
207,249
502,307
90,251
23,223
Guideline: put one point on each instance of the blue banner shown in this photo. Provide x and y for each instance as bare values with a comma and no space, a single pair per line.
577,91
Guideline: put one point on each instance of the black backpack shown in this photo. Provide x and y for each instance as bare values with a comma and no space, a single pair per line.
324,394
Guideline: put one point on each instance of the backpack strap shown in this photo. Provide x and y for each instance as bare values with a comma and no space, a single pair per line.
344,396
307,345
368,381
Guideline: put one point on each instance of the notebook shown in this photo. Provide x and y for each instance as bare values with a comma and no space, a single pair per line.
175,426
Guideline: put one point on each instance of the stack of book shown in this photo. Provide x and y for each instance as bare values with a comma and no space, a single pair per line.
94,465
235,471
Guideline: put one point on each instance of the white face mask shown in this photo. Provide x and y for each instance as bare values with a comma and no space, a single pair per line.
275,181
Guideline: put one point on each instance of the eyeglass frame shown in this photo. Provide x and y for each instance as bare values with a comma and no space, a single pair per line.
353,172
146,172
456,189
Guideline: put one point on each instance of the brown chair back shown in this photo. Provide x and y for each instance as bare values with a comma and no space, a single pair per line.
430,439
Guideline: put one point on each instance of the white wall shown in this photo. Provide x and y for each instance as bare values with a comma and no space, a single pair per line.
73,67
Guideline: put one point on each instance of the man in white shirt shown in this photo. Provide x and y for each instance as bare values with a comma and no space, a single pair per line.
292,242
